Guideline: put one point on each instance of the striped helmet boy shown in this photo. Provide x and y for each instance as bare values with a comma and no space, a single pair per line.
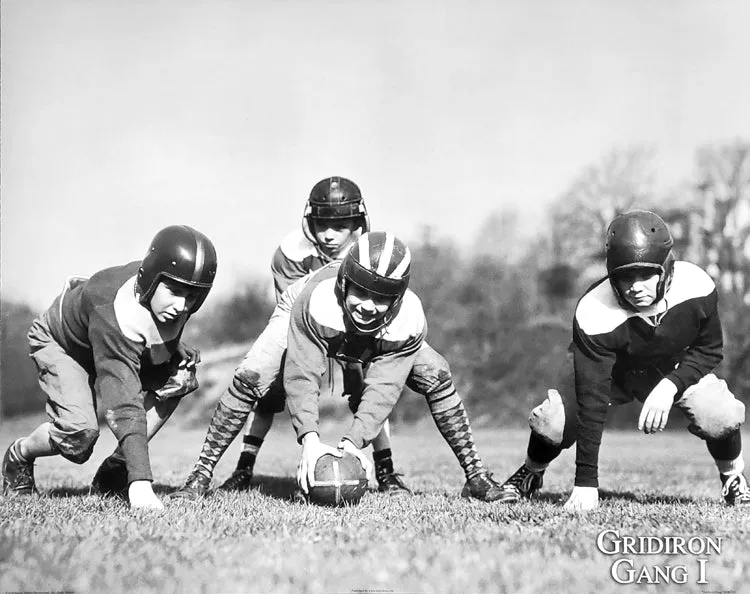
378,264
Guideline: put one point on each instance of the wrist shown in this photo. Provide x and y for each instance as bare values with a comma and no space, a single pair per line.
310,437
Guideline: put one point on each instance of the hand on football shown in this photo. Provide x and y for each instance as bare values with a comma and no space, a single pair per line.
655,411
312,449
582,499
348,446
191,356
142,497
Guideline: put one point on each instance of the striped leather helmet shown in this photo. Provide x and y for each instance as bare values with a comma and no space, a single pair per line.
379,262
182,254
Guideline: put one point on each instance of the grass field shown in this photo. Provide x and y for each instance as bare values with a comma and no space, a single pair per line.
663,485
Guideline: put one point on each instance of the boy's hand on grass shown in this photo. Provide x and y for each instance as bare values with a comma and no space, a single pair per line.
582,499
142,497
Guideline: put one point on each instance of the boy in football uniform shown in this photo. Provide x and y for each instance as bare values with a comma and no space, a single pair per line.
117,336
335,217
257,384
649,330
361,312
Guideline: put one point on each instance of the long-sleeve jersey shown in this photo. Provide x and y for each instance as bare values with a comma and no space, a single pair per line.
102,325
319,329
680,336
295,257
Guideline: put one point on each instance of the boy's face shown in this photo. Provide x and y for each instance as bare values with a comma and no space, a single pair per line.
333,234
366,308
172,299
638,286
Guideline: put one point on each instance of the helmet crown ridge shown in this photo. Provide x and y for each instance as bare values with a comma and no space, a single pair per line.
379,263
336,198
637,238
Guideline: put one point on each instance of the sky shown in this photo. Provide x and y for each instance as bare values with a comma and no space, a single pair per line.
120,118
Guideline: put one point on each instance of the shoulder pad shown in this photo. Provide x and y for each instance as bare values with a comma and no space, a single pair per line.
409,322
598,311
688,282
136,322
324,307
297,247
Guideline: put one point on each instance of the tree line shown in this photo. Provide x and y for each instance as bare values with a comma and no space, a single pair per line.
501,311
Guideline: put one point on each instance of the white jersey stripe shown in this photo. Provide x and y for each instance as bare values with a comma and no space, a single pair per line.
386,255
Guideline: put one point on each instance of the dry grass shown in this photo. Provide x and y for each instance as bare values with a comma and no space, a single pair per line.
431,542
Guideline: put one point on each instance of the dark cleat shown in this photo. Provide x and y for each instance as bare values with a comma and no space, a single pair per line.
18,476
522,484
111,478
391,483
239,481
735,490
483,487
196,487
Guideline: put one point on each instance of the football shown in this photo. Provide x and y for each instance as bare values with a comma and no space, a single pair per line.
338,481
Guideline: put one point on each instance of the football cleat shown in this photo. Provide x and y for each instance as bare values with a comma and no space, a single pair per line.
239,481
483,487
735,489
18,476
391,483
111,478
522,484
196,486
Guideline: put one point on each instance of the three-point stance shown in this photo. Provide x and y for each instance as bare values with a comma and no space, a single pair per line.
335,217
116,335
650,330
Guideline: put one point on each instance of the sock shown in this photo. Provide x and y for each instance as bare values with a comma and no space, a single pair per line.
383,462
736,466
225,425
540,453
727,452
250,446
15,452
455,428
535,466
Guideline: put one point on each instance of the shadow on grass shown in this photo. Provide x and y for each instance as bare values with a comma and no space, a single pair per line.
278,487
83,491
645,498
63,492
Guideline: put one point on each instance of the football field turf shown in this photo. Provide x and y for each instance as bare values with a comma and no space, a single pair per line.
652,486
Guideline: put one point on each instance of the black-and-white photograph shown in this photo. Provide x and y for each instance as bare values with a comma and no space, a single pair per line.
374,296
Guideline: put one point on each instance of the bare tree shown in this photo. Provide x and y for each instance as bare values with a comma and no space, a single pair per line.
724,244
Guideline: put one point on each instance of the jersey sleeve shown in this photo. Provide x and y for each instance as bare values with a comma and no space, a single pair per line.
285,271
593,357
117,361
705,353
306,362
